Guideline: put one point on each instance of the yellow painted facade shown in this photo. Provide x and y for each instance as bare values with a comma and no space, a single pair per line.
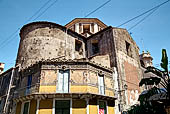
46,106
84,89
109,93
18,108
33,105
79,107
93,109
75,89
111,110
78,89
47,89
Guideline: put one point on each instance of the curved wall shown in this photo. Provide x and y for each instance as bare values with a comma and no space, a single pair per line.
45,40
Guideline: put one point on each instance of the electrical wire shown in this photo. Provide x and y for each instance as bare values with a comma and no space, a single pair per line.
143,13
45,9
97,8
143,19
38,11
4,43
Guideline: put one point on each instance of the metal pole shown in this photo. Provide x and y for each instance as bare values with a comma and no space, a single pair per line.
9,89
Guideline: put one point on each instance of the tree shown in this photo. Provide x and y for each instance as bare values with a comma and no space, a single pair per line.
162,77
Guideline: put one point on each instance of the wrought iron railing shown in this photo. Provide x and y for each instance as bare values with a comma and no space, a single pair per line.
27,90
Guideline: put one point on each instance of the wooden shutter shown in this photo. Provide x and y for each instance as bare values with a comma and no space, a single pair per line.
101,85
60,81
66,81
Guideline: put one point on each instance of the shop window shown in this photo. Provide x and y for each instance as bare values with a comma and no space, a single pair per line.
78,45
29,82
102,107
86,28
128,49
62,107
95,47
25,108
63,81
101,84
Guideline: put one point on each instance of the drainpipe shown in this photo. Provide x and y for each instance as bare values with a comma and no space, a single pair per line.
9,89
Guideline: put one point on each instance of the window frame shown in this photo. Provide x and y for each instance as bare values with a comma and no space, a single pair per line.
28,87
22,106
98,106
57,84
129,49
85,24
101,75
62,99
80,43
96,46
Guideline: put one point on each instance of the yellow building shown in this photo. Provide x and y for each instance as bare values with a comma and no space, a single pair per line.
66,87
57,77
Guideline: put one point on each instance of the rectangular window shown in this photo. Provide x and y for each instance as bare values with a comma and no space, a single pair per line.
62,107
78,45
102,107
63,81
101,84
128,49
25,108
95,47
86,28
29,82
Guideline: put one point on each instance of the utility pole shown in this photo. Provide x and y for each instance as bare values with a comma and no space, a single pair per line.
8,93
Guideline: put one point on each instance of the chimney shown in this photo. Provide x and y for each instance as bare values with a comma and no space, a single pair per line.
1,67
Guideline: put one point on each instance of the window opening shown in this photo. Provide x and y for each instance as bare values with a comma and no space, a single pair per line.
62,107
95,47
86,28
128,49
78,45
101,84
102,107
26,108
63,81
29,82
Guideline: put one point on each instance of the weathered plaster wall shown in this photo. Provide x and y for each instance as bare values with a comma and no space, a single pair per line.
105,44
83,79
128,64
46,41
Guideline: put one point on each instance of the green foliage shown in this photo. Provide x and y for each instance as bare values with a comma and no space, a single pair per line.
143,98
164,60
150,81
146,109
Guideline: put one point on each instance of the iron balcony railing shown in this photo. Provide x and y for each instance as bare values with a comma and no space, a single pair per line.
27,90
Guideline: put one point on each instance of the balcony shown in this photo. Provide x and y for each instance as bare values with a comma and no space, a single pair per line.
28,90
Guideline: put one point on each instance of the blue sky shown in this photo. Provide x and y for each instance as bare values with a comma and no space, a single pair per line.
154,31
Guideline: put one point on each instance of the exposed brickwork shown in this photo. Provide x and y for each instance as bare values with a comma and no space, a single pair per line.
132,81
